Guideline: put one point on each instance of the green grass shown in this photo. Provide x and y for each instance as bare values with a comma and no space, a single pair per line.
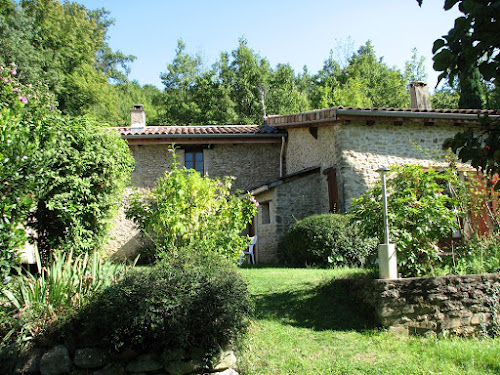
302,325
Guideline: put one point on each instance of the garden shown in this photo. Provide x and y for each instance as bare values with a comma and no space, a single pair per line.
184,305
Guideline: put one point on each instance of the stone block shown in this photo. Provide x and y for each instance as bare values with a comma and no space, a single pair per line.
184,367
110,369
56,361
225,360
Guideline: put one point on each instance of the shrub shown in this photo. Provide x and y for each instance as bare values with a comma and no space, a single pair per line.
420,214
192,212
327,238
185,304
63,176
85,168
473,256
21,110
33,304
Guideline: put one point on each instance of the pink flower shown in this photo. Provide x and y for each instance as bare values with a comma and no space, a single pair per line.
14,72
257,204
15,89
23,99
488,147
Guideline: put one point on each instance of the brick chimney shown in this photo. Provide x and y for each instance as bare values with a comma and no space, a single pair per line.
419,94
138,117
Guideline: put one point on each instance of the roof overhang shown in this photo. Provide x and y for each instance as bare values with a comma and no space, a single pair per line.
339,115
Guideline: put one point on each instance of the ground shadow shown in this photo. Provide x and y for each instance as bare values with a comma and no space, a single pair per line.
324,307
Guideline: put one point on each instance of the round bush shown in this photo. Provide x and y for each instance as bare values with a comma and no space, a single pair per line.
173,305
327,239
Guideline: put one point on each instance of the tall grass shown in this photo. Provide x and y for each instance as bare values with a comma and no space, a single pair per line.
34,302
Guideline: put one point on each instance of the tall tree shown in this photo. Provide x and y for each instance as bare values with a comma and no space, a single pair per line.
64,46
284,94
250,81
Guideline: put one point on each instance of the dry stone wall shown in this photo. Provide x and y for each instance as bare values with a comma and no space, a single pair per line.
59,360
460,305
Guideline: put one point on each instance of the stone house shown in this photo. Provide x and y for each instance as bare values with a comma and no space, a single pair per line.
301,164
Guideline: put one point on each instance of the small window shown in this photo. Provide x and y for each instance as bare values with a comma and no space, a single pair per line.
194,160
265,214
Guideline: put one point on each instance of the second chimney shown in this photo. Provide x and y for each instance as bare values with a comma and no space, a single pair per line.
419,94
138,117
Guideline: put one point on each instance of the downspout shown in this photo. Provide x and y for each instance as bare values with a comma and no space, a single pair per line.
282,155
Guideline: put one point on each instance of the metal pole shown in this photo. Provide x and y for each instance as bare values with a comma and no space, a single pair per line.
386,215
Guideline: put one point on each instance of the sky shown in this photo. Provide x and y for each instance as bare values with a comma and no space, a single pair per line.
292,31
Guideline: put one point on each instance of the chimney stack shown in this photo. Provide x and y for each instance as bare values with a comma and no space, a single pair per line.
138,117
419,94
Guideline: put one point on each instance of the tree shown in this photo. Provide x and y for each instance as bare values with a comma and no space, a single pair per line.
178,104
467,54
284,94
415,68
64,45
250,74
188,212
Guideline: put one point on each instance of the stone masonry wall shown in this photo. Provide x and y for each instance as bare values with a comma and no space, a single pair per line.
151,162
365,148
267,239
357,150
289,202
460,305
305,151
251,164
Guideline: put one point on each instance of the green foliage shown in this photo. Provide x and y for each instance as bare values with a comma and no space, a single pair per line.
480,148
63,44
32,304
66,174
85,169
327,239
446,97
241,86
420,214
474,256
187,211
469,52
187,304
21,110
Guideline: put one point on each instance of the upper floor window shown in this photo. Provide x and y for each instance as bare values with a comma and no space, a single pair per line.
194,160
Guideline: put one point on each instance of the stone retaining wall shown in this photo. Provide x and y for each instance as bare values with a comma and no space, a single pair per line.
460,305
58,360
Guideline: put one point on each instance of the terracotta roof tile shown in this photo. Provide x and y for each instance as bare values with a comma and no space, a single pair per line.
199,130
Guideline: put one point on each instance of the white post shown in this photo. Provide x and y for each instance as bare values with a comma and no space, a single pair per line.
387,259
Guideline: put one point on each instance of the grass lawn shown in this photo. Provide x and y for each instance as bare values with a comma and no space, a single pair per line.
301,326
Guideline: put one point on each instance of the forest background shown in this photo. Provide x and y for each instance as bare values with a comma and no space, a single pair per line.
65,47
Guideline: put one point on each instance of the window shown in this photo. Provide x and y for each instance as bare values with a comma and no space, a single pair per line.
194,160
265,214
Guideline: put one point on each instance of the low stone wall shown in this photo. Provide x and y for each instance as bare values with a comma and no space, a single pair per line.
59,361
460,305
